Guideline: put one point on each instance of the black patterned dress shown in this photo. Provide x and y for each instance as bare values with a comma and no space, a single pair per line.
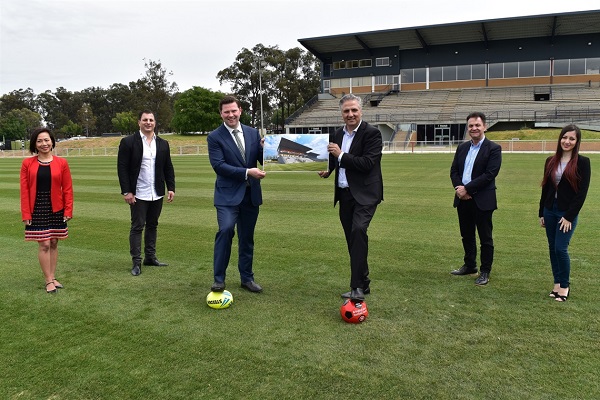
45,224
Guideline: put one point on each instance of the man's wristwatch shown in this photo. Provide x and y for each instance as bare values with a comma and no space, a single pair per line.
125,193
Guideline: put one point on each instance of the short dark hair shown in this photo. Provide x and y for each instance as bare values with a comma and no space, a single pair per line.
228,100
476,114
145,112
33,139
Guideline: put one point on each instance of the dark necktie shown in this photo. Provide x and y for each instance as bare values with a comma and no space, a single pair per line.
238,141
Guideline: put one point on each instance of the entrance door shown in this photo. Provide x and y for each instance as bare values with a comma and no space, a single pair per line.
441,135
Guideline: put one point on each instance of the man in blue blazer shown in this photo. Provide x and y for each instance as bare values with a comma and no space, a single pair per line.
144,167
473,173
355,156
234,151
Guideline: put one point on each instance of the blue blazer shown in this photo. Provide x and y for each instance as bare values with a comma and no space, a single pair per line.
482,187
227,162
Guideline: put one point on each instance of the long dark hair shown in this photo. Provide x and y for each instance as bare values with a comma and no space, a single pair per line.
570,172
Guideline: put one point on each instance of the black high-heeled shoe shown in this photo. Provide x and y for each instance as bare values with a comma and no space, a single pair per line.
553,294
53,290
564,298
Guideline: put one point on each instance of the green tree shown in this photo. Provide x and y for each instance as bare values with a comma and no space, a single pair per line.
125,122
17,100
155,92
197,110
86,118
71,129
18,124
288,78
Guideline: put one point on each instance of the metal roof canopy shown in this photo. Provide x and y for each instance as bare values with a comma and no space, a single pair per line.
422,37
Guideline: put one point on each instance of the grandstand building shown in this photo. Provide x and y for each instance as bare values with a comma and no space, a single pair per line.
420,83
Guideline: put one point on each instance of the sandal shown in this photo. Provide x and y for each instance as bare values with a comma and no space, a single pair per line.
53,290
564,298
553,294
57,284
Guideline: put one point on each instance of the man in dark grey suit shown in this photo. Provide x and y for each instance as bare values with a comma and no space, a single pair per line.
473,173
355,156
144,167
234,151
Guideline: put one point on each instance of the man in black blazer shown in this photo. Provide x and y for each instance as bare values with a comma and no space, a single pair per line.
234,151
473,173
355,156
144,167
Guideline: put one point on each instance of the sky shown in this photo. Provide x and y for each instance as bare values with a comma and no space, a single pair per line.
77,44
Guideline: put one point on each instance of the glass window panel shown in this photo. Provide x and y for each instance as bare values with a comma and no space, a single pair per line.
365,63
420,75
526,68
354,63
592,66
382,62
478,71
511,70
435,74
463,72
577,67
561,67
406,76
542,68
449,73
496,71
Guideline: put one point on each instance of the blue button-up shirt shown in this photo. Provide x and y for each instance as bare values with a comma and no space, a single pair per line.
471,156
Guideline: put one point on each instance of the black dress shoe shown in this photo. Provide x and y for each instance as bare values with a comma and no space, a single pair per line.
154,262
252,286
483,279
217,287
464,270
137,269
357,294
347,294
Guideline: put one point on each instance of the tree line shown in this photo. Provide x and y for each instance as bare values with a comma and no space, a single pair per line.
288,78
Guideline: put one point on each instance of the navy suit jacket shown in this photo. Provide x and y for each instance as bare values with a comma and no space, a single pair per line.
226,160
482,187
362,163
129,163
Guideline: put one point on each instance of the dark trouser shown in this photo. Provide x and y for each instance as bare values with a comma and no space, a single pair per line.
355,219
244,216
558,245
471,218
144,213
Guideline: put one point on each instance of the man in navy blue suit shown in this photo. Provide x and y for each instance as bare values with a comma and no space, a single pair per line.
473,173
234,151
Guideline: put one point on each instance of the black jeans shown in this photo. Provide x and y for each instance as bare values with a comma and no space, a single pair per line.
471,218
144,213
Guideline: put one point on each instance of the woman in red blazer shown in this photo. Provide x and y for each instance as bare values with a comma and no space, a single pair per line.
46,202
564,188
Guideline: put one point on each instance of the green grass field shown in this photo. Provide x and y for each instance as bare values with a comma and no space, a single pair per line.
429,335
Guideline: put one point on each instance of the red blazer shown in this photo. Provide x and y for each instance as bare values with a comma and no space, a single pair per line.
61,186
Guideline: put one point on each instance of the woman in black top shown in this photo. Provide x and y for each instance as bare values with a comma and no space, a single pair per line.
564,188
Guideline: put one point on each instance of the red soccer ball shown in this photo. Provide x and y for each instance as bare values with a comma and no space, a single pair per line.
354,312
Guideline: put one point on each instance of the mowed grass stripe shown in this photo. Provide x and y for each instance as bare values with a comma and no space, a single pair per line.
429,335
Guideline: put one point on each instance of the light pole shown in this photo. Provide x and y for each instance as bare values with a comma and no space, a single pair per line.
261,63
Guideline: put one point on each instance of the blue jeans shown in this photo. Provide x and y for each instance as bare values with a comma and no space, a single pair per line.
558,244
